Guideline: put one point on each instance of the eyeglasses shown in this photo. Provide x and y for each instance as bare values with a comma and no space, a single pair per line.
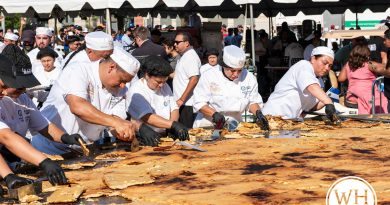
178,42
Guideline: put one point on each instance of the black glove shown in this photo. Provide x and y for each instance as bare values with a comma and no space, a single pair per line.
71,139
262,120
147,136
179,131
54,172
330,111
13,181
219,120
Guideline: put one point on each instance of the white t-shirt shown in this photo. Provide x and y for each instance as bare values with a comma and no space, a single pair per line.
290,97
126,40
46,79
78,58
187,66
230,98
2,46
82,80
144,100
207,66
293,50
21,115
36,63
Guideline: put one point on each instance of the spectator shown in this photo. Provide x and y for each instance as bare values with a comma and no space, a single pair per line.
186,78
212,61
360,76
228,39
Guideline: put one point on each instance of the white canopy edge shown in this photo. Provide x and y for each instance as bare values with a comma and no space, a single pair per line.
350,34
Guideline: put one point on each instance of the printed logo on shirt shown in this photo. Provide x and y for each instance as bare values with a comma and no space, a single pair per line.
115,100
166,103
214,88
245,89
24,115
90,91
20,115
372,47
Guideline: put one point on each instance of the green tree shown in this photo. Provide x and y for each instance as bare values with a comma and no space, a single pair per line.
12,22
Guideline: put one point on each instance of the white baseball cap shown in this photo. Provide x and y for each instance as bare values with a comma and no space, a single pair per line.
233,56
125,60
11,36
99,41
43,31
322,50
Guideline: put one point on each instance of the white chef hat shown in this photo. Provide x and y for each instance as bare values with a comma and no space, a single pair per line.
233,57
99,41
11,36
125,60
43,31
322,50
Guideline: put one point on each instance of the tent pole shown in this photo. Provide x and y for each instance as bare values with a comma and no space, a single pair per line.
269,26
55,27
3,22
252,35
357,24
108,21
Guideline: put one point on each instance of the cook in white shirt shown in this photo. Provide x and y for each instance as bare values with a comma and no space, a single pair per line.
10,38
46,74
18,114
152,103
99,45
42,40
89,97
212,61
299,89
227,92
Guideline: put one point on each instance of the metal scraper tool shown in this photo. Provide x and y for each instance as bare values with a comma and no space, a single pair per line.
194,147
30,189
84,147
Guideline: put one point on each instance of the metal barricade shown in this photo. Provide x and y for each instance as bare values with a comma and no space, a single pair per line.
377,82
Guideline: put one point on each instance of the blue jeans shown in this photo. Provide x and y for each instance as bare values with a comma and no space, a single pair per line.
47,146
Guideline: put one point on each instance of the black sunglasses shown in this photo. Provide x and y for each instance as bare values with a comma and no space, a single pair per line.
177,42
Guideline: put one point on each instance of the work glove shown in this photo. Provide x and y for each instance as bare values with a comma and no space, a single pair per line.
54,172
13,181
219,120
179,131
330,111
262,120
147,136
72,139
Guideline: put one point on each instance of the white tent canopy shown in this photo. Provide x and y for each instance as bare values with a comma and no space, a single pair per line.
207,8
46,6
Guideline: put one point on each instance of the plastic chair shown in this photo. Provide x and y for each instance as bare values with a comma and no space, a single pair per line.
295,60
377,82
285,60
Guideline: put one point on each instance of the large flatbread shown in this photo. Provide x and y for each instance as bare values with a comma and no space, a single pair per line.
124,180
66,194
29,199
78,165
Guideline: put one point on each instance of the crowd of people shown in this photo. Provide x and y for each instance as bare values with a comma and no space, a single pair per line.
146,87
